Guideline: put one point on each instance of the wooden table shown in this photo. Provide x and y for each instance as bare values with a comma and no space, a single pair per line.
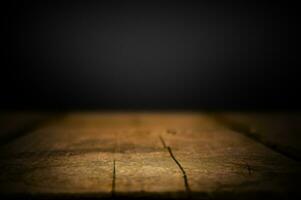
187,155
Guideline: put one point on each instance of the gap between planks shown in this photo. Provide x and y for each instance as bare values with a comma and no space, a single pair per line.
245,130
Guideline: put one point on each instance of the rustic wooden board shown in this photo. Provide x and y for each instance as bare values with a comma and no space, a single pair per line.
142,164
15,124
59,159
218,160
279,131
143,154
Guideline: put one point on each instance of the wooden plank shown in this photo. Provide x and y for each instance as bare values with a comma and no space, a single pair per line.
142,165
143,154
16,124
75,156
279,131
58,159
218,160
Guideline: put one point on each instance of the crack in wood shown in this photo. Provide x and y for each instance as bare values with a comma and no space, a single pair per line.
163,142
249,169
116,149
114,179
185,178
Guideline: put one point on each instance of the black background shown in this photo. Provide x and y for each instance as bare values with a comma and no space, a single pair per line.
149,55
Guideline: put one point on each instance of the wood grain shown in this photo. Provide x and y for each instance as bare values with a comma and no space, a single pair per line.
278,131
187,155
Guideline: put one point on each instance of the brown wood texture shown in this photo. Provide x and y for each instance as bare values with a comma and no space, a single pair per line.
179,155
279,131
15,124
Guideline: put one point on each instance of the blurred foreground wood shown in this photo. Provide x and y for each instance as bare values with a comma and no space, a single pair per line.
149,155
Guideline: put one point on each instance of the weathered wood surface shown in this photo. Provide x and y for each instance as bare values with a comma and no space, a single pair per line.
15,124
279,131
188,155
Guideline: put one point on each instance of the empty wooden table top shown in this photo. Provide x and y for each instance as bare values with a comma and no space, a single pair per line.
146,154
